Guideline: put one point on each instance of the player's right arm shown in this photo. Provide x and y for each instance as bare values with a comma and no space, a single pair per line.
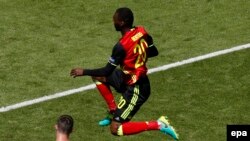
116,58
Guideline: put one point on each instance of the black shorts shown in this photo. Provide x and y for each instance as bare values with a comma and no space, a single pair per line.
133,96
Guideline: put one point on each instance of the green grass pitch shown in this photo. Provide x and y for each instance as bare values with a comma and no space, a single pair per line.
42,40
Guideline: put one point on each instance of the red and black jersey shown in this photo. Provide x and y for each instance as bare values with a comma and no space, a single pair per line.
131,53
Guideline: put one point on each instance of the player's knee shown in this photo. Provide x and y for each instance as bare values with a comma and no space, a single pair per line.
93,78
98,80
115,129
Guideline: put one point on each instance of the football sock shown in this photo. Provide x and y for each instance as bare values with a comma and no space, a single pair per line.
107,95
130,128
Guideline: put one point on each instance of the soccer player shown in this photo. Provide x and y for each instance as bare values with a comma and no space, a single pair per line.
64,127
131,53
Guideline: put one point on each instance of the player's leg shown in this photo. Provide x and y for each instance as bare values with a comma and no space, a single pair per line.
129,104
105,91
130,128
103,85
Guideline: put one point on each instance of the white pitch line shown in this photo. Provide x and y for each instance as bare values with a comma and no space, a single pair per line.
198,58
92,86
46,98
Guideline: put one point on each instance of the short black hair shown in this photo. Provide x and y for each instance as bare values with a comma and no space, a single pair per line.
125,14
65,124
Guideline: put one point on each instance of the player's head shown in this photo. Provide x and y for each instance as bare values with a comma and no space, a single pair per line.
123,18
65,124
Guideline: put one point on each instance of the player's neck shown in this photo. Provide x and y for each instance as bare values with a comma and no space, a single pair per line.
125,29
61,137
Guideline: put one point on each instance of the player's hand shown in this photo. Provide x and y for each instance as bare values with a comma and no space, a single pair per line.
76,72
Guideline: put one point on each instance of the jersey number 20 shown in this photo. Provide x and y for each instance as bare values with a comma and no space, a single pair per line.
142,55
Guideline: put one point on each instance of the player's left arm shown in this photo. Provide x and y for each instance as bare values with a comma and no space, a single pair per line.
152,50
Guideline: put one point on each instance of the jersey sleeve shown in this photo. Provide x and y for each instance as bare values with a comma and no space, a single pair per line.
115,59
104,71
152,50
117,56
